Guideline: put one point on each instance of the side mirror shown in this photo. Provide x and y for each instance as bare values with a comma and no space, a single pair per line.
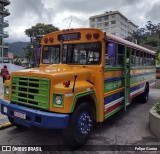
111,50
38,55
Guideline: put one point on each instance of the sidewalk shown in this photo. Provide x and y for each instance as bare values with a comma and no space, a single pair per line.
3,119
4,122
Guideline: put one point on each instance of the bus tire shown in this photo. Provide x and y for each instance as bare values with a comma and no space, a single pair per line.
80,125
145,94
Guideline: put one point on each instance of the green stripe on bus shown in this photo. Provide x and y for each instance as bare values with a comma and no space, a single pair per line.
82,94
113,68
109,68
142,68
113,85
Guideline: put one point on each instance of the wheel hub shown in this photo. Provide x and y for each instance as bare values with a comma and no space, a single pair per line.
84,123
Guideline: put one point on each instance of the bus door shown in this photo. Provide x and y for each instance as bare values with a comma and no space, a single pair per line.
127,64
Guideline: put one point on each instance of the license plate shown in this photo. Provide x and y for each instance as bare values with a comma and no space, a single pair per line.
20,115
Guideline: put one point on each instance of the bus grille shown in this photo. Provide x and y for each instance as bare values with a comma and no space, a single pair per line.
30,91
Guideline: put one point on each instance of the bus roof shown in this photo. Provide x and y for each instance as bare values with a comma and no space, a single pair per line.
108,36
130,44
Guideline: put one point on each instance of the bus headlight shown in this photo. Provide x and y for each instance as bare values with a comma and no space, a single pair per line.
58,100
7,90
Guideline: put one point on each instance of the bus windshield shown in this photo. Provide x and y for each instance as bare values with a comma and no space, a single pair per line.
78,54
84,53
51,55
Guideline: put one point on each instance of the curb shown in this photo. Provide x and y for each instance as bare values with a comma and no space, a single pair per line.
5,125
154,121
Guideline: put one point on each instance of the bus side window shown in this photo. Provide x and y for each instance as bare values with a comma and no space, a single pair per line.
133,57
120,57
141,58
144,60
128,56
110,54
146,55
150,59
137,57
153,60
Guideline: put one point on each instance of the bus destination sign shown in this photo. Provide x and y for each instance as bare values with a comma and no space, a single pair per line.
69,37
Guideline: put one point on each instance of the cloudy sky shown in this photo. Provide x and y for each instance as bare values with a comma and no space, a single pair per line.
26,13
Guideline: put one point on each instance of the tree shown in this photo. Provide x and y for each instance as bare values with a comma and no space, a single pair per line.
28,51
148,35
35,33
40,29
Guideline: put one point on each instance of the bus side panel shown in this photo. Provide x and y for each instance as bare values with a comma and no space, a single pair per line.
113,91
139,77
114,87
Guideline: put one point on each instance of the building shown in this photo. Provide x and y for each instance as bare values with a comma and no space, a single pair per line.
3,34
113,22
10,55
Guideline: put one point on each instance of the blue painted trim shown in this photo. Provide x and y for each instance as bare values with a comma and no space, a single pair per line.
152,81
136,88
113,97
48,120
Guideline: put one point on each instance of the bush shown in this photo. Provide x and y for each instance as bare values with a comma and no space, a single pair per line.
17,63
157,106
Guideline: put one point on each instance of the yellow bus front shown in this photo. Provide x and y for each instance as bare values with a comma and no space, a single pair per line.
66,90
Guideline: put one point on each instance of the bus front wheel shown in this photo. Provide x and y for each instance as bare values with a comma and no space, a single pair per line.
80,125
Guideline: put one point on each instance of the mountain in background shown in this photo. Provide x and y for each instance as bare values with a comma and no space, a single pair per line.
17,48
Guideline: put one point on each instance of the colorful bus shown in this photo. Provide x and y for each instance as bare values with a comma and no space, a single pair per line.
85,76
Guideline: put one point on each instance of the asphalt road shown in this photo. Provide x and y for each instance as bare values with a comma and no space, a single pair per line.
131,127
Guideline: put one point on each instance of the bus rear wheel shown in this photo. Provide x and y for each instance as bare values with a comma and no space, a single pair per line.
80,125
145,94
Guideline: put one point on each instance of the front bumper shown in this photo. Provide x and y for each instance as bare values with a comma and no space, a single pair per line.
34,117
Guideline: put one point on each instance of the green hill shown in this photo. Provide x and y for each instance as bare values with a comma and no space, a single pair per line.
17,48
